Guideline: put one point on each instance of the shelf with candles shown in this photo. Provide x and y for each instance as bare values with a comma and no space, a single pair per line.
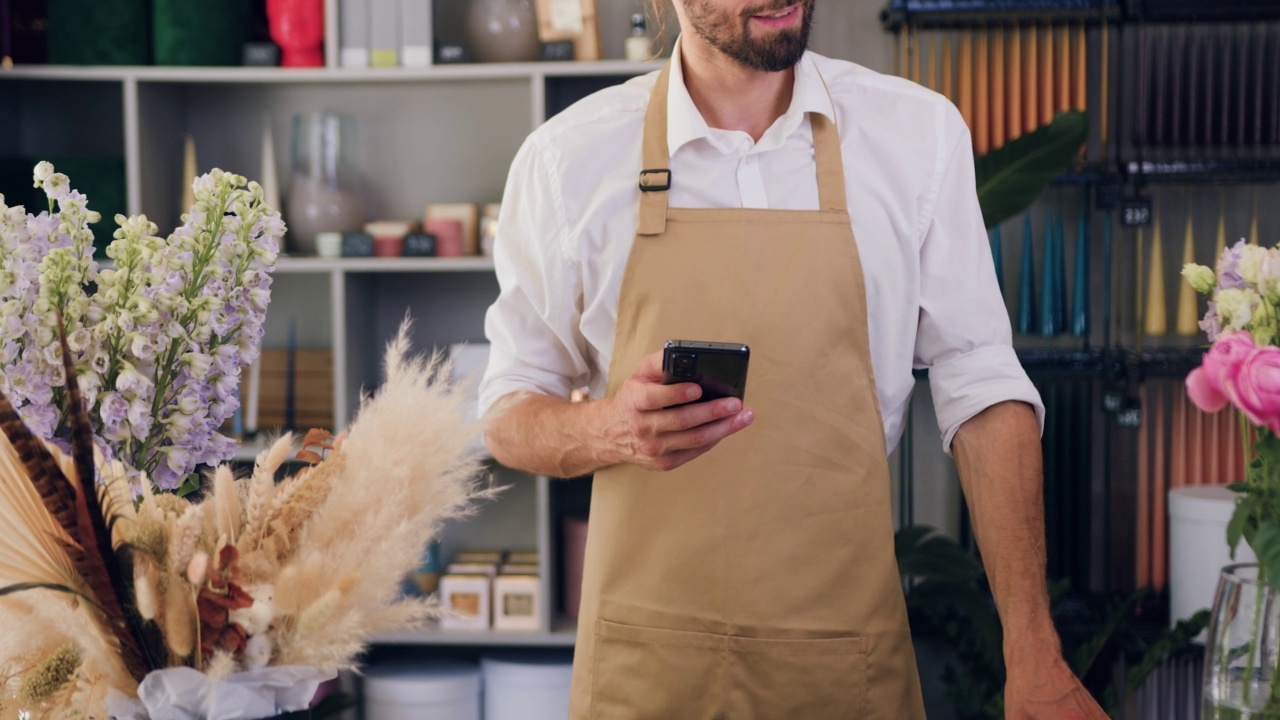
1107,362
1258,170
1201,11
964,13
926,14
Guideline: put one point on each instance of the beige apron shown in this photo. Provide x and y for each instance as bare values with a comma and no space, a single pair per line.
759,580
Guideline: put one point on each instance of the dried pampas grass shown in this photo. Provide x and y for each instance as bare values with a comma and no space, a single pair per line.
407,465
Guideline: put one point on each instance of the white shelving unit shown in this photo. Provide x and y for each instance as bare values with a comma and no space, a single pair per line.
440,134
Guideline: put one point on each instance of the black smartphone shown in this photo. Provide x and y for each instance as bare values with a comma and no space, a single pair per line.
720,369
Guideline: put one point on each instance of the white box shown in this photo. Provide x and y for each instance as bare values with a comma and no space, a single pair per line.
466,600
384,33
415,33
516,602
353,33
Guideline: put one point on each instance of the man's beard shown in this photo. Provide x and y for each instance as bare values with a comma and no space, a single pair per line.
731,34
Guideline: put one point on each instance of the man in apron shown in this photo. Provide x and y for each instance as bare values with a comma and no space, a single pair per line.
717,200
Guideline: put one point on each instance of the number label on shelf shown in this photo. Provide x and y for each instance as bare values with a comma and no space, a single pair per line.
1136,212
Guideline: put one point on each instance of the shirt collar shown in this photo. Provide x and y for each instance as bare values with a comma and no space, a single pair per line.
686,124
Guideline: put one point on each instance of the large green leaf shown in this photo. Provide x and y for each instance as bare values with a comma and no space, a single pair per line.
1012,177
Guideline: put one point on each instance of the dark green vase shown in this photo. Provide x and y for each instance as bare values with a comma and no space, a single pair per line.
99,32
200,32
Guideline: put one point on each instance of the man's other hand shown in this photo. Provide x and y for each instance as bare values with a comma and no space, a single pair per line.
1047,690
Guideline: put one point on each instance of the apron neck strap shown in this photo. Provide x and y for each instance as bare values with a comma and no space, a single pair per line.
655,175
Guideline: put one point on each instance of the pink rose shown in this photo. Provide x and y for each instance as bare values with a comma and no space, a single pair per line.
1257,387
1211,386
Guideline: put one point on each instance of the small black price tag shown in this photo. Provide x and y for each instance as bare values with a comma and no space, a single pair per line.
1112,401
1135,212
1130,416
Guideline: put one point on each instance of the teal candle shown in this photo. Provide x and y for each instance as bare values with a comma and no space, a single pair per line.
1049,281
1027,283
1061,321
996,256
1080,293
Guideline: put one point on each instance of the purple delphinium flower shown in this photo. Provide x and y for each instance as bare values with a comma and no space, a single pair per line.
1229,268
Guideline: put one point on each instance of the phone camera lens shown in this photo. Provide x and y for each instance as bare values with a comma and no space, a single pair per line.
682,365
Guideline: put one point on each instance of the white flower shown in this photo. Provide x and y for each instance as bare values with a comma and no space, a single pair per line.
42,172
56,186
1251,257
1235,307
198,364
1199,277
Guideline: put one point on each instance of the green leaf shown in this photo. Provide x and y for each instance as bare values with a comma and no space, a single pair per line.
1012,177
1235,528
188,486
1089,651
1238,487
1266,544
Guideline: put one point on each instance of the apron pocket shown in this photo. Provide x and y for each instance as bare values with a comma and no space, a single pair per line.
821,679
653,674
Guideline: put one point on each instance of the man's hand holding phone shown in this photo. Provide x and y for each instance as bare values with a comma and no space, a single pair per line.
661,427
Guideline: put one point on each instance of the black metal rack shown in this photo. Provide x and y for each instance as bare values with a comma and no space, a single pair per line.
1204,171
927,14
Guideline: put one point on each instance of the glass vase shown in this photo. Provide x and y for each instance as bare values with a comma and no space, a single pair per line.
1240,681
324,191
503,31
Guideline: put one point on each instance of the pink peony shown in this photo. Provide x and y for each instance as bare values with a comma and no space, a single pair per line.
1257,387
1212,385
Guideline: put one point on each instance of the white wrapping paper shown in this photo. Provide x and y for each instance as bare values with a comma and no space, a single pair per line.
185,693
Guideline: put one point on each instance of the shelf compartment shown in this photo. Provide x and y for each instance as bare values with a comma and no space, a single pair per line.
1205,171
957,13
251,75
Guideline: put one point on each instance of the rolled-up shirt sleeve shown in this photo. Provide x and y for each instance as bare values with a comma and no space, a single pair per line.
533,326
964,336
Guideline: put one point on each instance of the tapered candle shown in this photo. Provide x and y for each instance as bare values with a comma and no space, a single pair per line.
1188,321
1253,222
1027,282
1030,81
964,79
1210,99
1104,129
1049,280
1156,315
1193,89
1013,80
997,256
269,182
1063,62
946,68
1160,487
1243,89
1080,288
1108,278
981,97
1156,119
904,52
1080,75
998,133
1177,88
1260,76
1274,62
1221,244
1143,569
1046,77
1227,71
1060,268
931,63
188,174
913,43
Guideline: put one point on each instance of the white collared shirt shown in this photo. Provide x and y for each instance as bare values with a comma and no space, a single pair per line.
571,207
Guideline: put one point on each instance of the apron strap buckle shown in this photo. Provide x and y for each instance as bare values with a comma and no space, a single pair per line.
648,183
